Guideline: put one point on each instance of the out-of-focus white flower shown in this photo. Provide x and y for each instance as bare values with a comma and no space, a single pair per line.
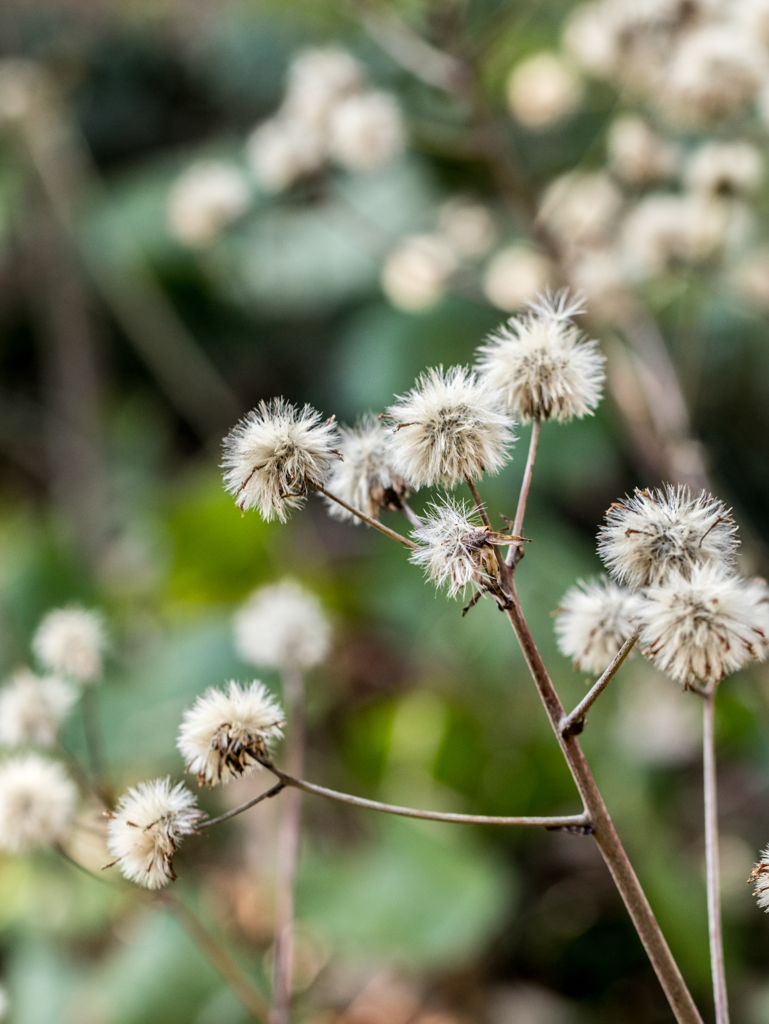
147,828
515,276
225,732
647,537
638,155
750,278
455,549
594,621
363,478
317,80
366,130
205,198
717,70
32,708
724,169
701,627
656,723
283,150
449,427
275,454
543,364
70,642
282,625
467,226
598,275
37,802
581,208
415,275
543,90
589,38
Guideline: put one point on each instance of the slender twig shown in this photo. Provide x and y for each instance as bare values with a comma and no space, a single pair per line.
571,725
576,821
368,519
604,832
208,822
288,851
711,858
515,554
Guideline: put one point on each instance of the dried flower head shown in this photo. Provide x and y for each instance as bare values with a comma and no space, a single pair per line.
283,150
704,625
543,90
543,364
366,130
364,478
225,732
515,277
652,534
455,548
37,802
415,274
205,198
70,642
275,454
32,708
282,625
724,169
594,621
759,876
147,828
451,426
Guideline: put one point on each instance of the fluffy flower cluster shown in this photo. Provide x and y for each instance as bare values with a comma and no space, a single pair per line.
225,732
37,802
363,478
71,642
328,113
275,454
32,708
543,364
594,621
147,828
449,427
282,626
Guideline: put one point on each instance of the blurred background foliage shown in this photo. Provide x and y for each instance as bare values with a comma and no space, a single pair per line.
125,357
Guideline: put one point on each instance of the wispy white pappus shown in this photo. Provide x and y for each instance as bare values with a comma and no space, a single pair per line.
32,708
282,626
760,877
364,478
594,621
70,642
37,802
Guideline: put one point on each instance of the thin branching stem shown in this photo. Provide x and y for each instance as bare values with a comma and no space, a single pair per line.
711,857
368,519
208,822
516,554
572,724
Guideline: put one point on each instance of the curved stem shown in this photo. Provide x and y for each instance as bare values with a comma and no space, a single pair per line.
516,554
711,858
368,519
571,725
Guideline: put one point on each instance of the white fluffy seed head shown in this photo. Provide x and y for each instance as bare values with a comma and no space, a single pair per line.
283,150
543,90
225,732
706,625
32,708
275,454
637,155
543,364
282,626
759,877
652,534
364,478
70,642
449,427
455,548
515,277
366,130
205,198
37,802
724,169
147,828
594,621
318,79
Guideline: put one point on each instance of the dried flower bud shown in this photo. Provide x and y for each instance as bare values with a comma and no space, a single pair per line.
364,478
282,625
449,427
225,732
37,801
147,829
70,642
543,364
652,534
706,625
594,621
32,708
275,454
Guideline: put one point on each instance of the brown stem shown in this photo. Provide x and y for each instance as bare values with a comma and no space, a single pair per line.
604,832
711,858
288,851
368,519
208,822
515,554
571,725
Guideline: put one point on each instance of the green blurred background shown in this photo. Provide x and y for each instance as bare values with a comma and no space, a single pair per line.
126,357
